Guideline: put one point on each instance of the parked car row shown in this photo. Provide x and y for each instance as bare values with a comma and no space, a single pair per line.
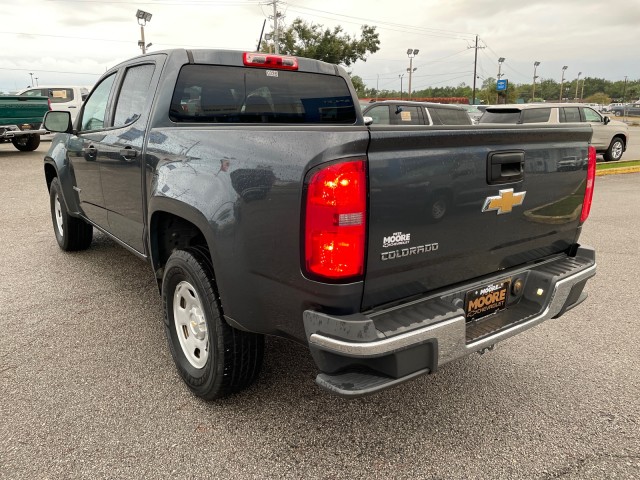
610,137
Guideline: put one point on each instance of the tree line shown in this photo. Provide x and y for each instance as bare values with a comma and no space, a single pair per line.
589,89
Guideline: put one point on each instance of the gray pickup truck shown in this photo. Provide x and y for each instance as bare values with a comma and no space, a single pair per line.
266,206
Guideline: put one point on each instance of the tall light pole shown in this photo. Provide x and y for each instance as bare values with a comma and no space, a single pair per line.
400,77
36,81
533,90
577,83
31,79
562,81
411,53
500,74
143,17
582,89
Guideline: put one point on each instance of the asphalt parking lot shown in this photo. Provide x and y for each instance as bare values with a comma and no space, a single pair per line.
88,387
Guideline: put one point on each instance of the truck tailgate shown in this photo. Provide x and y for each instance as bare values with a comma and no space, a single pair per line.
428,186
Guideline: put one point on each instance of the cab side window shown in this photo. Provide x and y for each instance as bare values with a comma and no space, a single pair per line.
133,94
591,116
95,108
380,115
405,115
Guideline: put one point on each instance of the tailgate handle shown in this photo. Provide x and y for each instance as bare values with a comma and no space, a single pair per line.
505,167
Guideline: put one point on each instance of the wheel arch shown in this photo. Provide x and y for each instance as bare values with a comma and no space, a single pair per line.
175,225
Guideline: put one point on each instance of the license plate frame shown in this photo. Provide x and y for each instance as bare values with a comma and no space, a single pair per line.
486,300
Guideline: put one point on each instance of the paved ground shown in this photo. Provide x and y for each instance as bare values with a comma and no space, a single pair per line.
88,388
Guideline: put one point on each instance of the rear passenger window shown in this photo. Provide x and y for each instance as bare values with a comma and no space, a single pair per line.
61,95
570,115
133,94
449,116
536,115
221,94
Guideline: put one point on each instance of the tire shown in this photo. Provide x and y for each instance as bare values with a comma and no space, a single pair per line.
618,113
72,234
26,143
213,359
615,150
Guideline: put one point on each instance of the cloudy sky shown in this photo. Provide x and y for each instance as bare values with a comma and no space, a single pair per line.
75,41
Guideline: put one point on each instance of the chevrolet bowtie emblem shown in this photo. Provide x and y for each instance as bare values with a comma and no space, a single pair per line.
504,202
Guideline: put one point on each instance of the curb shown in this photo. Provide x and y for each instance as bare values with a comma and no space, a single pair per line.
615,171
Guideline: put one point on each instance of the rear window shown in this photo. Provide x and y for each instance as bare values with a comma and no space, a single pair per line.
501,116
222,94
449,116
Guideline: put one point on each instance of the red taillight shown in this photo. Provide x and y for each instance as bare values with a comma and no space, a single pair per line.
335,221
588,191
265,60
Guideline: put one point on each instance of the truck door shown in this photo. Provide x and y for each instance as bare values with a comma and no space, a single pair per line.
83,151
121,159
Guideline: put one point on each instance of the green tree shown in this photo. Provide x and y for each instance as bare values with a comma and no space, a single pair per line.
600,97
312,40
359,85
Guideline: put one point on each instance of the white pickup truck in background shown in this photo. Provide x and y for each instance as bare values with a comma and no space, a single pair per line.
65,98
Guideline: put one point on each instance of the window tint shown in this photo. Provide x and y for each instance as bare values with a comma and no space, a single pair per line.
571,114
212,93
590,115
536,115
95,108
61,95
380,115
449,116
133,94
507,115
405,115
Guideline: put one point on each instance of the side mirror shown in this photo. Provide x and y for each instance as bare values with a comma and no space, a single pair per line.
606,120
57,121
368,120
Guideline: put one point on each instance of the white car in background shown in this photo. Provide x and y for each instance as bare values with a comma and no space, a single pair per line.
610,137
65,98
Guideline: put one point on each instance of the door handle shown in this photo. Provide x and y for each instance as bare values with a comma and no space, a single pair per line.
505,167
90,151
128,154
72,106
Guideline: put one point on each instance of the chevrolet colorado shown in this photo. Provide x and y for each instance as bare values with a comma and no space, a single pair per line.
266,205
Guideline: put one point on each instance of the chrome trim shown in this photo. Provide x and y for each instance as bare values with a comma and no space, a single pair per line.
451,334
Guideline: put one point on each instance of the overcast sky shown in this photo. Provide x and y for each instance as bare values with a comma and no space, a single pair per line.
74,41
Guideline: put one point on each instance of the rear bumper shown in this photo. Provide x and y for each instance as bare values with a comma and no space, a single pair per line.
364,353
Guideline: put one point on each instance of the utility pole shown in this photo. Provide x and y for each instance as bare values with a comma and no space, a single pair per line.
582,90
536,64
624,91
276,32
577,83
377,84
475,70
400,77
411,53
500,74
562,82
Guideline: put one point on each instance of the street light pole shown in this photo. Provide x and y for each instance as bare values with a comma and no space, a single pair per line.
400,77
500,61
577,83
533,91
411,53
143,17
31,79
562,81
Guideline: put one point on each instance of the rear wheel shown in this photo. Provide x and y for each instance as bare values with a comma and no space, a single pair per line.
618,113
213,358
615,150
26,143
71,233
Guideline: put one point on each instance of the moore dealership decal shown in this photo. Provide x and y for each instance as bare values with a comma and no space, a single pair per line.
396,239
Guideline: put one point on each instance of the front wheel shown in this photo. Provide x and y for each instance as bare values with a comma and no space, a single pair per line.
71,233
213,358
615,150
26,143
618,113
